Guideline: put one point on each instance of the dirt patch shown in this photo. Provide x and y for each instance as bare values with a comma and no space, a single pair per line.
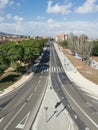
95,58
87,71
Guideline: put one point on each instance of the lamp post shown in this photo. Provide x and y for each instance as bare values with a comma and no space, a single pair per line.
46,108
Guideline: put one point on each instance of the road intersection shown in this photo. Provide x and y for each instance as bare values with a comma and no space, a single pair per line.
32,105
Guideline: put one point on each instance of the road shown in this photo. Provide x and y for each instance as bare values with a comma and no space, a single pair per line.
19,111
82,108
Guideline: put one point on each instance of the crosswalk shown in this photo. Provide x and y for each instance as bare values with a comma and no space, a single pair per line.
49,69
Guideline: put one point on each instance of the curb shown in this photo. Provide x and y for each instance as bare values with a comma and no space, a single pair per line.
38,106
72,75
14,88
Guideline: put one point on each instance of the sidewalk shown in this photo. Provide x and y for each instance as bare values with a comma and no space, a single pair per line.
17,84
84,84
50,119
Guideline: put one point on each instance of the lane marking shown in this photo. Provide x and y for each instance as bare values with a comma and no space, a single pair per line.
96,125
60,70
35,89
10,122
37,86
29,97
39,82
1,119
22,123
95,113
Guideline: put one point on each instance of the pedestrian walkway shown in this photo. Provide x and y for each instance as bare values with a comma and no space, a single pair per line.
49,69
50,118
83,83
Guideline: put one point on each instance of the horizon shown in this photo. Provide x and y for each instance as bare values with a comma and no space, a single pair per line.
48,18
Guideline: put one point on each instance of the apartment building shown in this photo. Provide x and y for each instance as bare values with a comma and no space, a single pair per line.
60,37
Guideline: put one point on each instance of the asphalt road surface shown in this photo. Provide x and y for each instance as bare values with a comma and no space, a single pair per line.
82,108
19,108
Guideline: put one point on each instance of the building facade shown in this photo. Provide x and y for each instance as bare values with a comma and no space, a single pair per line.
61,37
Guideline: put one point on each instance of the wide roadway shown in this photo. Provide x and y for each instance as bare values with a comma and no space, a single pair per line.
82,108
20,111
21,108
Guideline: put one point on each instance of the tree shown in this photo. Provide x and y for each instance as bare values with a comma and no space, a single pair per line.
15,53
95,48
4,62
85,47
80,45
72,42
64,43
21,51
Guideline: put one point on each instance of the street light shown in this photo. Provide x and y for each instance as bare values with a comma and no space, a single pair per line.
46,108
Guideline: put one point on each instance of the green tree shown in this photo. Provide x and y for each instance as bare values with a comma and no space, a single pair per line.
95,48
15,53
64,43
21,51
85,47
4,62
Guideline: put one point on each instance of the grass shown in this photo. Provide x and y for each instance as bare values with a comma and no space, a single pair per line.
9,79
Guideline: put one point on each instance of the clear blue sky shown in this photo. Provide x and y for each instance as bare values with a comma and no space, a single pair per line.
49,17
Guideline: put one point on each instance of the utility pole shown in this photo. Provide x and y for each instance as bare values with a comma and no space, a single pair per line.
46,109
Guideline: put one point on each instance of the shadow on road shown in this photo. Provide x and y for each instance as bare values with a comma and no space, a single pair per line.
51,116
61,111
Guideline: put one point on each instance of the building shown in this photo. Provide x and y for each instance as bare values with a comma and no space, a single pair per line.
61,37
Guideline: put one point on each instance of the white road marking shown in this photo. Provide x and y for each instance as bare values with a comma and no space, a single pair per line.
10,122
39,82
22,123
75,116
36,86
95,113
51,69
56,69
1,119
35,89
29,97
94,123
48,69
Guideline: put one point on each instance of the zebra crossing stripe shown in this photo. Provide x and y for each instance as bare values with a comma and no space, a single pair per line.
51,69
47,69
58,69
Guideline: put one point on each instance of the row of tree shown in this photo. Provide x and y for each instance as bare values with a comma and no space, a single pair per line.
18,52
81,45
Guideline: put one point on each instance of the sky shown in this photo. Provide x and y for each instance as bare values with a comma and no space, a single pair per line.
49,17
